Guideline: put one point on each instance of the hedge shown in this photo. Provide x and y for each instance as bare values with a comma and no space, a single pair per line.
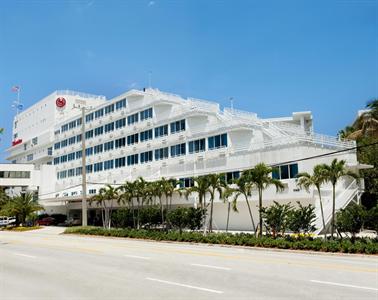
361,245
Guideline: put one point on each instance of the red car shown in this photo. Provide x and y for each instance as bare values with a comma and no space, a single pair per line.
46,221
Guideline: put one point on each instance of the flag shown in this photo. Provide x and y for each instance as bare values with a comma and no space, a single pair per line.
1,130
15,88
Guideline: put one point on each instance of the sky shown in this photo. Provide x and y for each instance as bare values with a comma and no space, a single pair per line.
272,57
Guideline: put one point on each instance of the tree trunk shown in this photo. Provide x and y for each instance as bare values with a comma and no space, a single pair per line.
211,213
322,212
132,211
250,213
138,207
228,215
162,211
260,207
333,210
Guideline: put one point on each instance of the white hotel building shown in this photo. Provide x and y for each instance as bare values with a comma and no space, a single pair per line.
154,134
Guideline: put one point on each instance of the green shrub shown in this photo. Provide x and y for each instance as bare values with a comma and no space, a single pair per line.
301,219
365,245
351,219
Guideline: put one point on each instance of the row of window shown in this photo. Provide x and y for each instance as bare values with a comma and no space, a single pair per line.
162,153
143,136
285,171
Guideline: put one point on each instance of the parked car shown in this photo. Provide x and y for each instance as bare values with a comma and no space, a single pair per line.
73,222
46,221
5,221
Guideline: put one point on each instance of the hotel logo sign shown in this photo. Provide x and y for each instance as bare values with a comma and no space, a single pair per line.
60,102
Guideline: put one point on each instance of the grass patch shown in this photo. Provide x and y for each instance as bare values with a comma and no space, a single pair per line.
20,228
362,245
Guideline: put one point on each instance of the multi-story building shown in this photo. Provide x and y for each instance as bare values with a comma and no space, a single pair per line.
154,134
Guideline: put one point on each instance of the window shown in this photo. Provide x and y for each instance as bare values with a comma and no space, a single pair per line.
178,150
132,119
120,104
146,114
89,134
120,143
285,171
99,130
72,140
197,146
64,143
120,123
92,191
71,173
35,141
109,127
109,164
63,159
89,151
145,157
14,174
99,113
97,167
79,171
57,145
146,135
79,154
161,131
132,159
89,117
78,138
217,141
186,182
89,168
178,126
109,109
29,157
161,153
72,124
62,174
71,156
108,146
132,139
56,160
119,162
64,127
78,122
98,149
230,176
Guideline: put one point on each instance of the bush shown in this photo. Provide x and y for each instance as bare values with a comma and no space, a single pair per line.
351,219
372,219
150,216
366,245
276,217
301,219
122,218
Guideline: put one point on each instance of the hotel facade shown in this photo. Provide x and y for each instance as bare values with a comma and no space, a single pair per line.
154,134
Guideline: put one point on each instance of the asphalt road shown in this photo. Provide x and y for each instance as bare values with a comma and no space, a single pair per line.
45,265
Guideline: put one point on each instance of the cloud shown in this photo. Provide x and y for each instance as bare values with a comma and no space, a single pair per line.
151,3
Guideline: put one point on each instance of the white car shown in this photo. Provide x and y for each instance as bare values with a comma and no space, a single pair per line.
4,221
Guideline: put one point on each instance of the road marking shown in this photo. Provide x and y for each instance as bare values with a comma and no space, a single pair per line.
345,285
212,267
135,256
185,285
24,255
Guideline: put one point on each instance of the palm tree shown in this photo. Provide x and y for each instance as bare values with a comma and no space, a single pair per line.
243,186
127,193
157,190
228,192
21,207
216,184
305,180
332,173
105,199
201,188
260,177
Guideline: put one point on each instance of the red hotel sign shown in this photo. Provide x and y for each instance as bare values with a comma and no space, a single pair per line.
60,102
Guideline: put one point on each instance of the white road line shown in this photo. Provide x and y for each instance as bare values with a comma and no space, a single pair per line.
185,285
345,285
24,255
135,256
212,267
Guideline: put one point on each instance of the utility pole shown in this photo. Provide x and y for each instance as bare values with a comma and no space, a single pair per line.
84,213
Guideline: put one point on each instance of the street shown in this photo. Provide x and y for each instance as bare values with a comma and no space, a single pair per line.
45,265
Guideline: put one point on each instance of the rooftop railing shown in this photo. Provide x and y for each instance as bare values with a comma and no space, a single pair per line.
80,94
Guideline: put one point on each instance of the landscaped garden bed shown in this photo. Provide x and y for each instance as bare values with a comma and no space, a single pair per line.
360,245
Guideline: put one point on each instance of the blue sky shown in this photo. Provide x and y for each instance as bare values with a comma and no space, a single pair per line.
272,57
